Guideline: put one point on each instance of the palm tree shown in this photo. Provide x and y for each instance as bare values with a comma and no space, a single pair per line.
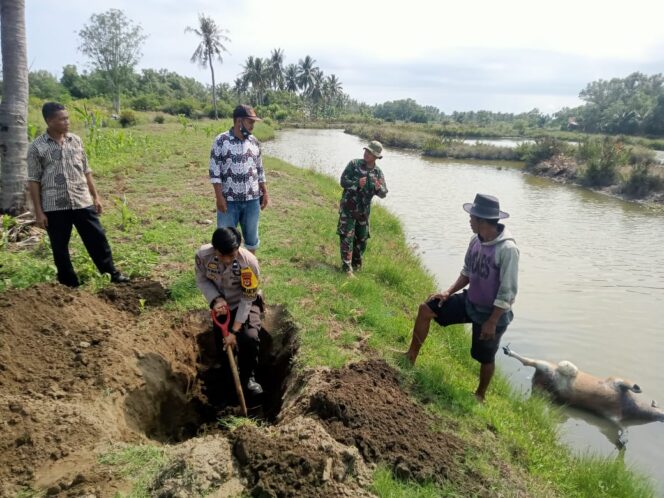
332,87
291,78
240,87
315,92
257,74
276,68
14,108
305,73
209,48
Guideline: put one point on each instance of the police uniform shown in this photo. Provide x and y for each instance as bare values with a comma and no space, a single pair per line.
237,283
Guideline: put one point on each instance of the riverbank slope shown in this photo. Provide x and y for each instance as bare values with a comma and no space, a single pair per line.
163,211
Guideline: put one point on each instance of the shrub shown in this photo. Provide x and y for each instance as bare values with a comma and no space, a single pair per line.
145,103
641,155
544,148
186,107
641,182
224,110
603,157
127,118
159,119
281,115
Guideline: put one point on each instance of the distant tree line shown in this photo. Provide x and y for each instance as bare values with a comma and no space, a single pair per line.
631,106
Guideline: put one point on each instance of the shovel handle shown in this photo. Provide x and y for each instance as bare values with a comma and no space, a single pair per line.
231,359
236,380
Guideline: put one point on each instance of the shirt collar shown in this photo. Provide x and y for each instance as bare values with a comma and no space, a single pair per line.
68,137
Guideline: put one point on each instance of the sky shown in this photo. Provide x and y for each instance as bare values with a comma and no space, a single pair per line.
507,56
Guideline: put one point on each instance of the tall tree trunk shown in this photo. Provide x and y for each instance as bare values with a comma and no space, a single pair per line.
214,90
116,102
14,108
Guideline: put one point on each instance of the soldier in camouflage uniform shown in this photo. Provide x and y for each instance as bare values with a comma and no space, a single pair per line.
361,180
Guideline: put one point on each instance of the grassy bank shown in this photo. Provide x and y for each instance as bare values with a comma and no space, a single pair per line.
622,166
159,208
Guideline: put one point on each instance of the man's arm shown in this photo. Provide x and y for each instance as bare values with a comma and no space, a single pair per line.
348,177
204,284
93,192
35,195
34,185
215,174
219,196
381,186
265,199
461,281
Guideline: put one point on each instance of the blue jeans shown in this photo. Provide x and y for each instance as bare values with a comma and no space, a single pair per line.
245,213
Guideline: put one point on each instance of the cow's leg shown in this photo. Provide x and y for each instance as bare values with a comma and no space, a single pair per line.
539,365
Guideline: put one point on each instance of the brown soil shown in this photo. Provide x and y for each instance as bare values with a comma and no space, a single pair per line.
560,168
364,405
82,374
135,295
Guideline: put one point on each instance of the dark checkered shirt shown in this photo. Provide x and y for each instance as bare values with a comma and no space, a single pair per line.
60,171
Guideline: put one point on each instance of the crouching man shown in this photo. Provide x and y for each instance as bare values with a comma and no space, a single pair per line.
490,270
227,275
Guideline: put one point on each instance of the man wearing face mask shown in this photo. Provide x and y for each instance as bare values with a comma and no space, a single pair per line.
238,178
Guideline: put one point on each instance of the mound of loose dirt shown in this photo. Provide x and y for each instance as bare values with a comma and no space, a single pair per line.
365,406
135,295
298,458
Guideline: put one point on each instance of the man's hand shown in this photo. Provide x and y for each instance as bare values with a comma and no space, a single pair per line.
40,219
230,341
377,185
221,204
488,331
442,297
220,306
265,200
97,204
363,181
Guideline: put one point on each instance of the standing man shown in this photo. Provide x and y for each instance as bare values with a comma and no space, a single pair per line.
64,196
361,180
491,268
238,178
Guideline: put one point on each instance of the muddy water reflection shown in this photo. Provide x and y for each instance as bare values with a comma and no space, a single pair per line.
592,267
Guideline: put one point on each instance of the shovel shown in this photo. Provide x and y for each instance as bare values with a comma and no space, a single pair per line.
231,358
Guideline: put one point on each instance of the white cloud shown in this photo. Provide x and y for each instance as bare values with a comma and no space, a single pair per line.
467,55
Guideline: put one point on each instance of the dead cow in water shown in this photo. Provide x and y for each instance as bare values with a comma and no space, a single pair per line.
612,398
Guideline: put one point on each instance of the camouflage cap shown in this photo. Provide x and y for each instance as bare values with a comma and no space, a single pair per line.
376,148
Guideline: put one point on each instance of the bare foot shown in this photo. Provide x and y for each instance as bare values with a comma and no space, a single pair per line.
479,398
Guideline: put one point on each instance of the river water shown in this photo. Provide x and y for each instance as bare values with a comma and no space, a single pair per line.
591,271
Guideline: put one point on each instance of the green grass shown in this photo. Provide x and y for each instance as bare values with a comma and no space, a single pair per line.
141,463
169,199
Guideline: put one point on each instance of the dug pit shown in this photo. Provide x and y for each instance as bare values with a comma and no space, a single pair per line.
177,403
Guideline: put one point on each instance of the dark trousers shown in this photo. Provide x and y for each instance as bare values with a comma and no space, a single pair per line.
92,234
248,342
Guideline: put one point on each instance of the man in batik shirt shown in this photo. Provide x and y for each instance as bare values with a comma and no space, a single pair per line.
238,178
